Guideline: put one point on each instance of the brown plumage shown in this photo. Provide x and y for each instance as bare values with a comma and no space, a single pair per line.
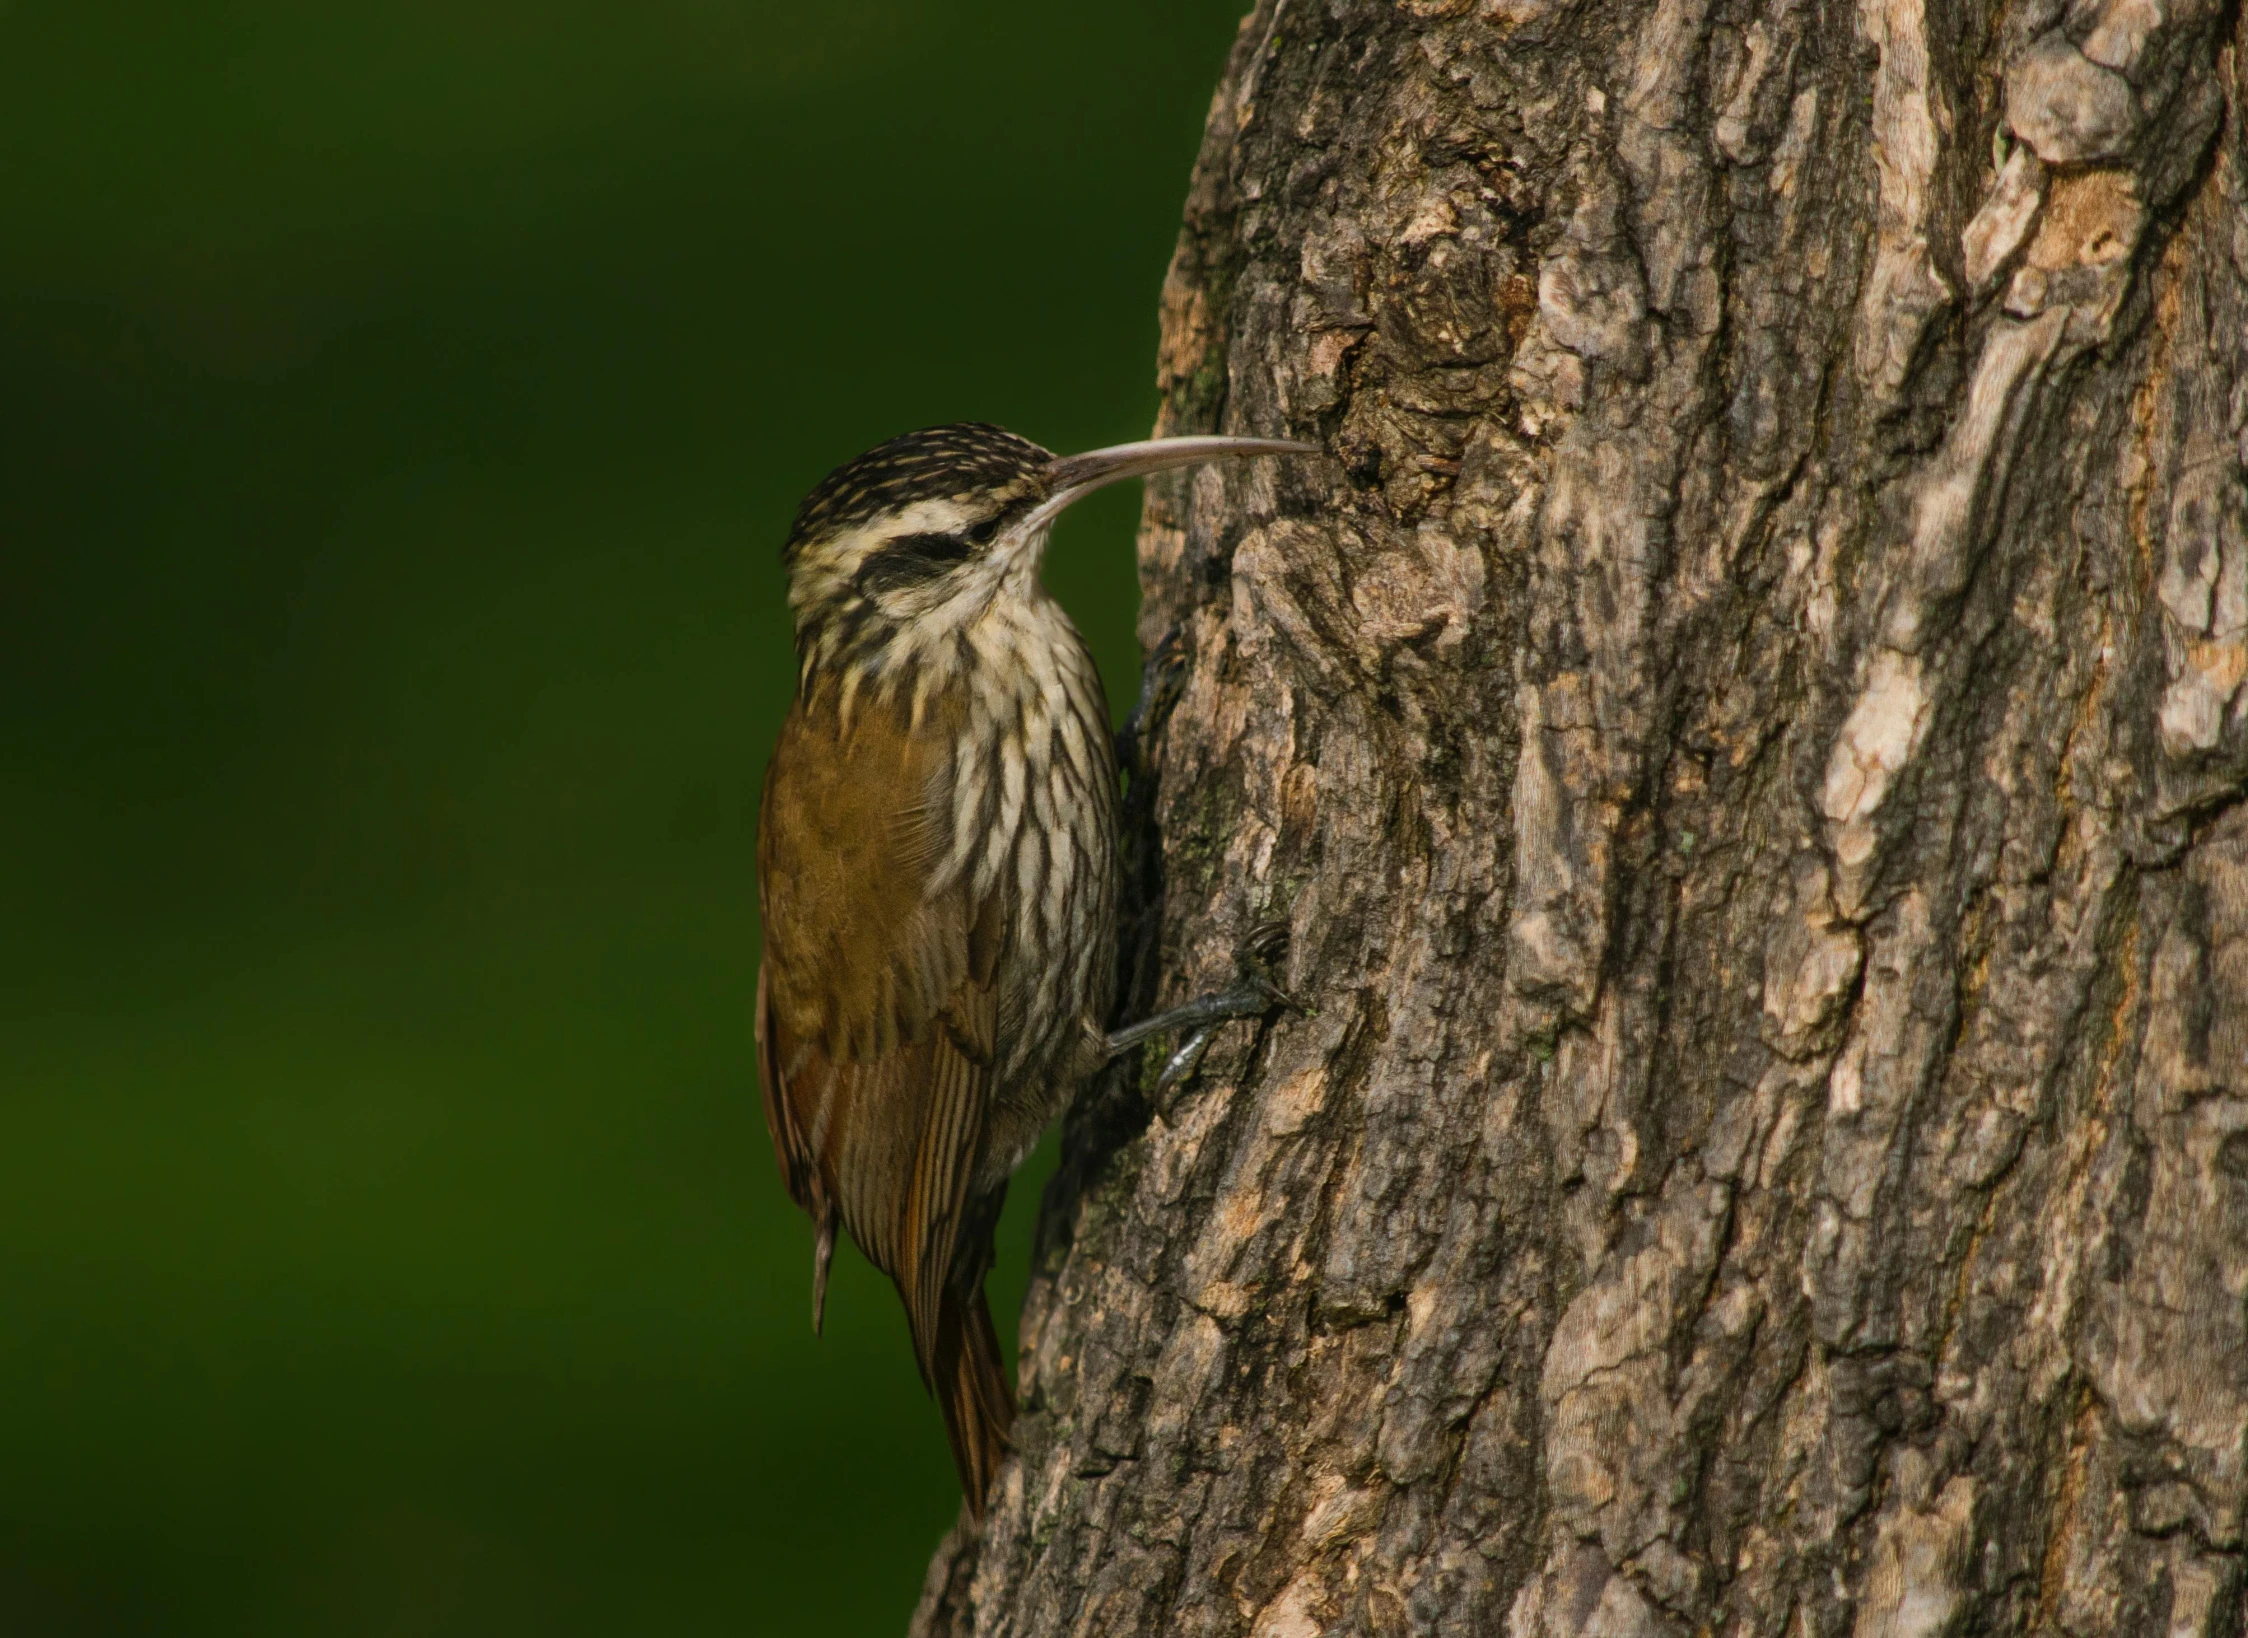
937,874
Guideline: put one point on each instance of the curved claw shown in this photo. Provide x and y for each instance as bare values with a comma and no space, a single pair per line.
1183,1063
1288,1000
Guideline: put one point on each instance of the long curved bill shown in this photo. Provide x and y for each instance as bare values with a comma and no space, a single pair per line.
1076,476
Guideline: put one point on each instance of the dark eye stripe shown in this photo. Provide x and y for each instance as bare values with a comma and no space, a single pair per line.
931,548
911,559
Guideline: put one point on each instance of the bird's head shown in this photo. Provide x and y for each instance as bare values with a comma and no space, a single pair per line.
920,535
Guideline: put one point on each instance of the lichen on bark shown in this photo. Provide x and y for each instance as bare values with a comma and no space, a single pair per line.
1747,736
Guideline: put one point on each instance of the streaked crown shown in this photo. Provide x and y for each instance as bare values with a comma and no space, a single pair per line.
983,470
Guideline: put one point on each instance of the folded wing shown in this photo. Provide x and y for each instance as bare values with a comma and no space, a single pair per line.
876,1012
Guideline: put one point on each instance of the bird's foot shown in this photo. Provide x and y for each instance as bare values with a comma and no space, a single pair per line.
1255,995
1160,685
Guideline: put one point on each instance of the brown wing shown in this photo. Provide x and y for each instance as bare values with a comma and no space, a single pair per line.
888,1145
875,1019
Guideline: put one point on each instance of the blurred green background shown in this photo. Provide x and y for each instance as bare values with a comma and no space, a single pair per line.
402,404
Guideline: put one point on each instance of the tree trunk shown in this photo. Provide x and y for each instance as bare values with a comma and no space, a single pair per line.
1747,737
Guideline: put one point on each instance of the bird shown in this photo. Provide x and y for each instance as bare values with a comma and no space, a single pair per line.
938,875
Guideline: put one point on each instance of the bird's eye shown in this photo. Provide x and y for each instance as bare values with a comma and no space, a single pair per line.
910,560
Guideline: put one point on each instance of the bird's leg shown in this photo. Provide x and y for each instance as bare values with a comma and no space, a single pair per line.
1253,996
1252,999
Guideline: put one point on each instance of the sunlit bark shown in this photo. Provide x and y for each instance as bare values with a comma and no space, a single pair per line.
1748,739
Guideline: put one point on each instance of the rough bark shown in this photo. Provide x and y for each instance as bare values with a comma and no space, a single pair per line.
1748,741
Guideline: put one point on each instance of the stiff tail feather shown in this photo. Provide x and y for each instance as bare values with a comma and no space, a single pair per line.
970,1379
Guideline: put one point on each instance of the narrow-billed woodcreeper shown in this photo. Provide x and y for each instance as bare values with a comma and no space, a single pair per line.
937,874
